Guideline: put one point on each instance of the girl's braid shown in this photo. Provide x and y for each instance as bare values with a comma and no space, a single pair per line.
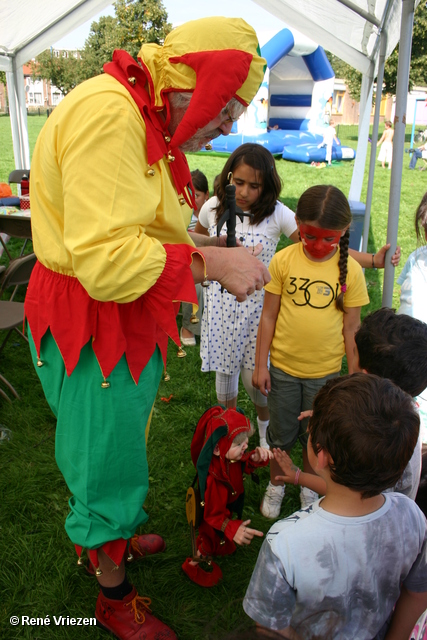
342,263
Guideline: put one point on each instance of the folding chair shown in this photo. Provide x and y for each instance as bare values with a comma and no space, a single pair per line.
17,175
11,312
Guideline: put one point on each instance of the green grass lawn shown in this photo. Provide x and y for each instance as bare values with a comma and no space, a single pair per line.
39,575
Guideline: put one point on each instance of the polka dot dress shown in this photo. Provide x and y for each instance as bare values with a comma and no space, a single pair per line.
229,328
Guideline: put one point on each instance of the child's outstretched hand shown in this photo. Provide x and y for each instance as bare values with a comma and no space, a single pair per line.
287,466
244,535
305,414
379,257
261,454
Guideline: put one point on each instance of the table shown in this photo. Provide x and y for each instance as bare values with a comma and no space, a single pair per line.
17,225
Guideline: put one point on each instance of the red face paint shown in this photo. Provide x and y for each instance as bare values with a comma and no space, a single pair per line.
319,242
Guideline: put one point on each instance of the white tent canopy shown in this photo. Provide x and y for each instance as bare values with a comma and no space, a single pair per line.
361,32
27,27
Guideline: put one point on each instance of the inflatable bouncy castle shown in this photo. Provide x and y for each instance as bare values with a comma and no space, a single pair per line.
293,106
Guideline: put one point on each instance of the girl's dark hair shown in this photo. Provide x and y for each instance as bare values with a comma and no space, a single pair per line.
421,220
328,206
261,160
200,181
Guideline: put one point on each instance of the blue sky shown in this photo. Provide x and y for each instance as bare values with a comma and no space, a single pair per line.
264,23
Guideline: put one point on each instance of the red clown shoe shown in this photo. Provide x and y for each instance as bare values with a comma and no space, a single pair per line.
130,618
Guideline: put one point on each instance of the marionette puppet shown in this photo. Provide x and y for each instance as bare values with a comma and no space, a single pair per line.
219,453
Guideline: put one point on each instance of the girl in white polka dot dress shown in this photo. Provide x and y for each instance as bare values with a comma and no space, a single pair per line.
229,328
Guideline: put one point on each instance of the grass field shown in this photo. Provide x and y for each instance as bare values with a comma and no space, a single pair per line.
39,576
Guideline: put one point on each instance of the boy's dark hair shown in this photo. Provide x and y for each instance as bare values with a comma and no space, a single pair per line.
200,181
369,427
261,160
394,346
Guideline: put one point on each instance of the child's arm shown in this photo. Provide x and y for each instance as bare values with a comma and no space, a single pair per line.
408,609
378,262
350,326
291,470
381,139
267,325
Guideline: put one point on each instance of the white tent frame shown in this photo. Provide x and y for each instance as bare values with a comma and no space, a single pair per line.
394,25
362,33
12,59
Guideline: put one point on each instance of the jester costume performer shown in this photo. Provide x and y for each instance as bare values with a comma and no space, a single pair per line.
111,200
221,485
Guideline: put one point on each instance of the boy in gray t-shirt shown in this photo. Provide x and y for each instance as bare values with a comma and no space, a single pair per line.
337,569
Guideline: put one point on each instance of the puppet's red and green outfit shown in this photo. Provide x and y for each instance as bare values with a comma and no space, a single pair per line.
110,203
221,486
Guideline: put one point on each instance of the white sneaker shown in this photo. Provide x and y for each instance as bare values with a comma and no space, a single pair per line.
307,497
272,501
263,443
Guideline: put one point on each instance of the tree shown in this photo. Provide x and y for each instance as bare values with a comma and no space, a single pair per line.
136,22
102,40
141,21
3,77
63,71
418,69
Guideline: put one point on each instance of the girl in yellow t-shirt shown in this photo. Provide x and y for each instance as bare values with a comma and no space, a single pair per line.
310,314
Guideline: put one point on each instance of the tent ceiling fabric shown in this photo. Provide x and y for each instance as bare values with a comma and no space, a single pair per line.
339,29
27,27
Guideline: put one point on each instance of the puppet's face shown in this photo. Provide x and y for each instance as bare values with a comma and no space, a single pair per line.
236,451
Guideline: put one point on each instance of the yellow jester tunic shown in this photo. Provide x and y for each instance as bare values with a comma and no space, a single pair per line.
111,200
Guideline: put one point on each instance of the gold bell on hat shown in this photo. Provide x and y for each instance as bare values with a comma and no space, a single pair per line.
150,172
105,384
39,362
181,353
181,201
166,376
132,81
208,147
170,157
194,319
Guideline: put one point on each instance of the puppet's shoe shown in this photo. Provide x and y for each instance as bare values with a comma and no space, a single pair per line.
146,545
130,618
201,577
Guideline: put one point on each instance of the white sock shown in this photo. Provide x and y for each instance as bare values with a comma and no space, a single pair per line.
262,427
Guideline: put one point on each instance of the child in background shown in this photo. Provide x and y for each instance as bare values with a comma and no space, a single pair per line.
390,346
229,328
413,293
386,142
310,315
218,451
329,137
339,569
191,321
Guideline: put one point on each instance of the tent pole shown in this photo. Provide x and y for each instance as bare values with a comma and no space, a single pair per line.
372,161
18,116
405,46
362,143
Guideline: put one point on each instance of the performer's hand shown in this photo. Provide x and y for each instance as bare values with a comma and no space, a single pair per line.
379,257
221,241
244,535
261,454
261,380
286,465
237,270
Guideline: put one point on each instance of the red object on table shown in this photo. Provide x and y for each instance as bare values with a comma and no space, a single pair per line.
24,202
25,188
